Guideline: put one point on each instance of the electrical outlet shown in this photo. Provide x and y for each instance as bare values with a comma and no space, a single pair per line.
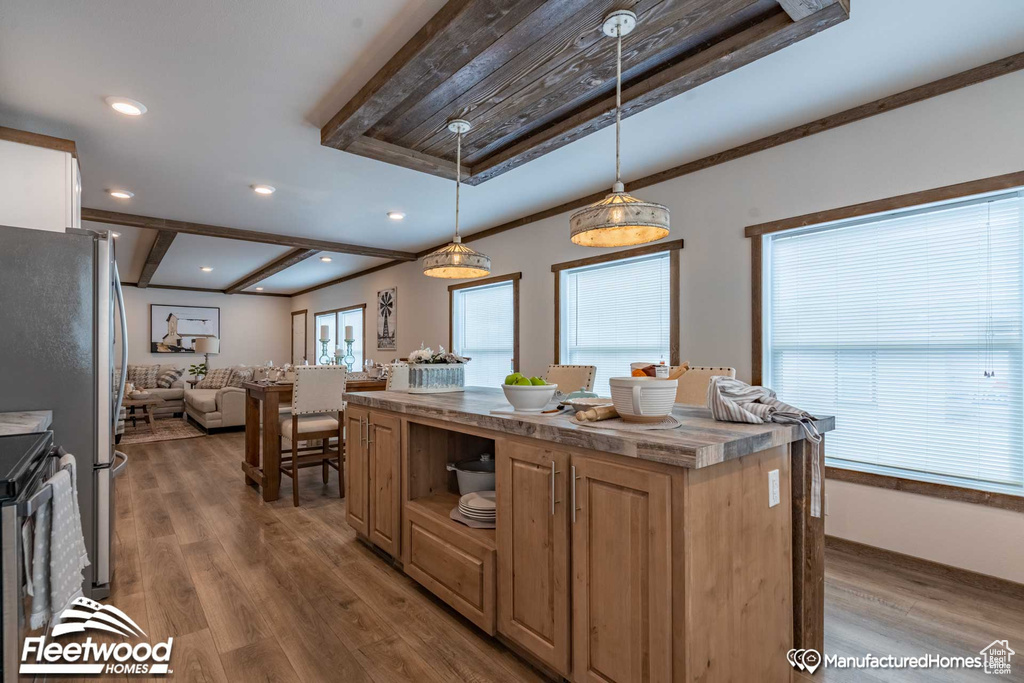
773,488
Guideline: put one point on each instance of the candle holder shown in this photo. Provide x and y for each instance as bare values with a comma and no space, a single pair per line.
349,358
325,358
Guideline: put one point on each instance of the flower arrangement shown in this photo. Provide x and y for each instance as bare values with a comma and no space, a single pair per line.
427,356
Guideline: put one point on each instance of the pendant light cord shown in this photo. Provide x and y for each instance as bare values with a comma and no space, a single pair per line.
618,98
458,180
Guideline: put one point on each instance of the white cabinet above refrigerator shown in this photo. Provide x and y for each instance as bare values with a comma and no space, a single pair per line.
40,187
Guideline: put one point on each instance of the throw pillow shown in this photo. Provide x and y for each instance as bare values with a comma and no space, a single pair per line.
168,377
143,376
215,379
240,375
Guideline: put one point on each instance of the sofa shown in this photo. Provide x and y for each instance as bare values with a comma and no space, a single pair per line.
174,396
219,407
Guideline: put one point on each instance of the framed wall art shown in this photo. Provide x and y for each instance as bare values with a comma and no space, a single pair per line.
174,329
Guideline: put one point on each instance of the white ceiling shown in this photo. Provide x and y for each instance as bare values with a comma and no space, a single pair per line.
237,92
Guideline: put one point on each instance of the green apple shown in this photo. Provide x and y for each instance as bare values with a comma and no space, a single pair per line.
522,381
511,379
537,381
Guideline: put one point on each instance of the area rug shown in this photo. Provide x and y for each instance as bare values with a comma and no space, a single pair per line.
166,430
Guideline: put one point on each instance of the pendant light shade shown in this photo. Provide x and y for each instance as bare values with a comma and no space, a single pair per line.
618,220
456,261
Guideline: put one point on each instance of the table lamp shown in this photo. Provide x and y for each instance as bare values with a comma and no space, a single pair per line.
206,346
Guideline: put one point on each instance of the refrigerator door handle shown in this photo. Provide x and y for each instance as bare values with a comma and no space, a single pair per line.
119,469
124,345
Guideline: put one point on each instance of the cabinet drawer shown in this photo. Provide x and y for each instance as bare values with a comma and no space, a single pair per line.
453,566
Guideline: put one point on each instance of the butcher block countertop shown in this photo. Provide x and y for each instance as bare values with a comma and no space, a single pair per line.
699,442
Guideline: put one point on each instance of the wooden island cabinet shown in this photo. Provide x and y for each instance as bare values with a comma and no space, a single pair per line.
618,556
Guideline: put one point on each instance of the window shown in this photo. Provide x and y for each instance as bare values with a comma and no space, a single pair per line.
907,327
484,327
336,321
616,312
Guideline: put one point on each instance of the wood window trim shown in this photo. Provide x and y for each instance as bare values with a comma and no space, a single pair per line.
336,311
514,278
673,248
305,354
756,234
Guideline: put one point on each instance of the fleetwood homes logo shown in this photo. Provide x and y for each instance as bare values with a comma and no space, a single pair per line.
90,657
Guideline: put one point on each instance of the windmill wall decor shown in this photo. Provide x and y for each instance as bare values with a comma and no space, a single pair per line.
387,319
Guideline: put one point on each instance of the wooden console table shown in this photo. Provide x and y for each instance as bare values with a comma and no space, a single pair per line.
264,400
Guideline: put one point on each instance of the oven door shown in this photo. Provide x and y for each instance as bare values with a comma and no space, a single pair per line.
16,604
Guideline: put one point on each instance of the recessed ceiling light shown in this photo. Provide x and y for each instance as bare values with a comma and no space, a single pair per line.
114,234
121,194
264,189
396,215
123,105
325,259
259,289
206,269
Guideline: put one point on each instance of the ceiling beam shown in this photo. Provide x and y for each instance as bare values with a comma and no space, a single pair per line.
276,266
800,9
770,35
449,40
208,289
985,72
408,158
132,221
156,255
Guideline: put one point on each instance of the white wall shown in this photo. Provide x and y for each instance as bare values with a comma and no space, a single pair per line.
965,135
253,329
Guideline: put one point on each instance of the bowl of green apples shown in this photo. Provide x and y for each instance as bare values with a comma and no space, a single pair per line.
528,394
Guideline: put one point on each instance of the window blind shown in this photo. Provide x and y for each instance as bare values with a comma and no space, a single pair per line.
353,317
614,314
482,329
336,322
907,327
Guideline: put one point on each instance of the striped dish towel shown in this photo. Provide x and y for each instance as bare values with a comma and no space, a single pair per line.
732,400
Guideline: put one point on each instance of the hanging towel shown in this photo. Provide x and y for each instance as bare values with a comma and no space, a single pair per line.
732,400
68,462
56,571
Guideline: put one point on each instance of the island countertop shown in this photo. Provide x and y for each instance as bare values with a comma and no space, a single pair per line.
700,442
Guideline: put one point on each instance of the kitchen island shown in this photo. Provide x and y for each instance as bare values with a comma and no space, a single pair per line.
618,556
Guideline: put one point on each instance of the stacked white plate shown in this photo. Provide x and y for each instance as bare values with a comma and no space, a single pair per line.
479,506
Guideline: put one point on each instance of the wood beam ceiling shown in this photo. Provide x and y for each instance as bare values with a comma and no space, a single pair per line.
275,266
156,255
535,75
165,224
985,72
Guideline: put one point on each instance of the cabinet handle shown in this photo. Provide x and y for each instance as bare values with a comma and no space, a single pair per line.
368,439
574,508
361,437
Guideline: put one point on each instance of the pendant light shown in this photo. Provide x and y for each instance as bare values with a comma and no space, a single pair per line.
456,261
619,219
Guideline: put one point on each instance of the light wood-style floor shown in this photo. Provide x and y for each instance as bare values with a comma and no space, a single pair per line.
253,591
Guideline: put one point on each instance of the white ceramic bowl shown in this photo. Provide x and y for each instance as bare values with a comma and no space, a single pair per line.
529,399
643,399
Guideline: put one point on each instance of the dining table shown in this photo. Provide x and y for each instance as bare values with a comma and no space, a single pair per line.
263,401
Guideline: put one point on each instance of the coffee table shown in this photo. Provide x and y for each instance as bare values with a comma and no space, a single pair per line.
146,404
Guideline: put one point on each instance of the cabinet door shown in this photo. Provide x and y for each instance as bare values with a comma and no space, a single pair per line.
533,550
385,465
622,582
357,472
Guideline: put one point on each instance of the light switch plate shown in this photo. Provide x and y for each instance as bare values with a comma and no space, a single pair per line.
773,488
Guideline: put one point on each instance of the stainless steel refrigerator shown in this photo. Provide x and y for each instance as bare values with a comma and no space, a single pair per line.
58,293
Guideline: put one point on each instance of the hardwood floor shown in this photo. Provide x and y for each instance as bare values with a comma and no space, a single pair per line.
255,591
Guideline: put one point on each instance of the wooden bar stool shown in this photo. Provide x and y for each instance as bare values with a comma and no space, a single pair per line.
317,415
